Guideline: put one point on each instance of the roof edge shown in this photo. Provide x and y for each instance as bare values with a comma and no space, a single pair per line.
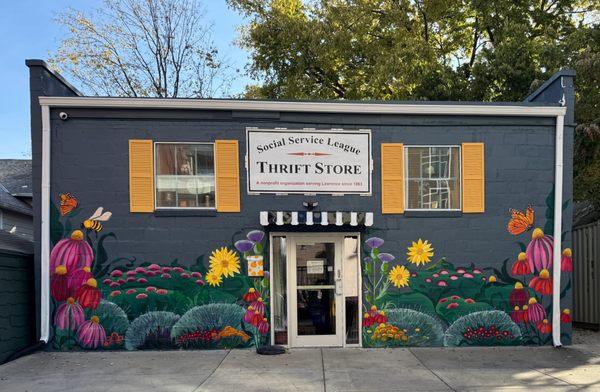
41,63
483,109
563,72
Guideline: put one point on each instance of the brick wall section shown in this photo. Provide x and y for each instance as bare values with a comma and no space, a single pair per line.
17,311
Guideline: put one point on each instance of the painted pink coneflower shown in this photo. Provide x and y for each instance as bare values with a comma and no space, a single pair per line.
115,293
154,267
196,274
259,305
140,270
185,275
539,251
142,280
178,270
69,315
90,333
131,291
116,273
166,276
442,283
535,311
249,314
166,269
141,296
73,253
263,326
162,292
150,289
130,273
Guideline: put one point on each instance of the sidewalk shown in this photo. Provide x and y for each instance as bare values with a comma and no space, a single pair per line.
521,368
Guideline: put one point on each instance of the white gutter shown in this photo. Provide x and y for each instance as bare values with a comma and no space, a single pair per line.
558,196
45,229
319,107
323,107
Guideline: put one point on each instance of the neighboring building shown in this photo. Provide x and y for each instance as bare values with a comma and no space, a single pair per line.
380,224
16,214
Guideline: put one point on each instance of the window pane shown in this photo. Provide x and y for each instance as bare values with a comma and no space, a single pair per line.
185,175
279,291
433,177
350,287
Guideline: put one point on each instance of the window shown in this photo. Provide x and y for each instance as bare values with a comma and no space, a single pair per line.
432,177
185,175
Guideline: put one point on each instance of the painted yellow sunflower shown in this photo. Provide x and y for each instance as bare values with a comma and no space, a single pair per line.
420,252
213,279
224,262
399,276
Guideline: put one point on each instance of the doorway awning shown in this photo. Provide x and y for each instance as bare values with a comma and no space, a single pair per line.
323,218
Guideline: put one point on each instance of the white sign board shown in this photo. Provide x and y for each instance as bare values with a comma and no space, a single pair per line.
308,161
315,267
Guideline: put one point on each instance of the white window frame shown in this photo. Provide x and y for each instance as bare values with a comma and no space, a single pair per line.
406,178
156,207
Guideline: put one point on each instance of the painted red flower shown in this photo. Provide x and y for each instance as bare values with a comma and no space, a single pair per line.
521,265
59,284
544,326
566,261
518,295
565,316
542,284
88,295
251,295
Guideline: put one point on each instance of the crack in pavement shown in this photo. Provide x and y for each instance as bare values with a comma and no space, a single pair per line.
432,372
211,373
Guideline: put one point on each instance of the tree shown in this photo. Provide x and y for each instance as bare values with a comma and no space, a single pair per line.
430,50
139,48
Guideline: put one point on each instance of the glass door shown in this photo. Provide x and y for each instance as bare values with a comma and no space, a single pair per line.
315,291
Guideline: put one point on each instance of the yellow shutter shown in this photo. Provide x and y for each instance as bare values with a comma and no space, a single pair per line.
141,176
473,178
392,178
227,169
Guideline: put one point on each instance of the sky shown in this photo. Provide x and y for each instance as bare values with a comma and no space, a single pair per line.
28,31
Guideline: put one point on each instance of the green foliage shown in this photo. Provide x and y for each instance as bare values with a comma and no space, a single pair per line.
413,300
444,279
152,330
453,307
112,317
485,328
422,329
139,301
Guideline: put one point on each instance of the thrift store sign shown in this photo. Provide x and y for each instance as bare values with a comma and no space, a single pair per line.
298,161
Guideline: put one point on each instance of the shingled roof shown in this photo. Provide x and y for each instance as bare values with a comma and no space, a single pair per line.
9,202
15,175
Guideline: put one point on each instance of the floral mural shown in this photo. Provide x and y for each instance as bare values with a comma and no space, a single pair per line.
424,302
119,304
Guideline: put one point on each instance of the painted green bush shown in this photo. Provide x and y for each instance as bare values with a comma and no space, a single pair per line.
454,307
485,328
164,288
411,300
216,325
151,330
444,279
421,329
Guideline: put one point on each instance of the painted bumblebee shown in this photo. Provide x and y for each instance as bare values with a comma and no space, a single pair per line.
94,221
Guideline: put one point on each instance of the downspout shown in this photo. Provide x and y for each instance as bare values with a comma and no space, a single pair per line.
556,254
45,229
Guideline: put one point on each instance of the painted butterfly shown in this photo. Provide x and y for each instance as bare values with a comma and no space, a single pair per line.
67,203
520,222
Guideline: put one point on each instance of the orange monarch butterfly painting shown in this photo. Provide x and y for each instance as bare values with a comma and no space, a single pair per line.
520,222
67,203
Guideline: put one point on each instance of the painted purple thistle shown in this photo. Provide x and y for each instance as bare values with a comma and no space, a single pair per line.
539,251
91,334
385,257
266,274
69,315
255,236
374,242
368,260
244,246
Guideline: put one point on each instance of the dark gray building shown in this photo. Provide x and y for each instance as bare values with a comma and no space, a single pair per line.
380,224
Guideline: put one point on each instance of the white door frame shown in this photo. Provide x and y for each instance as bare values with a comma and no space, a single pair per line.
292,239
296,340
